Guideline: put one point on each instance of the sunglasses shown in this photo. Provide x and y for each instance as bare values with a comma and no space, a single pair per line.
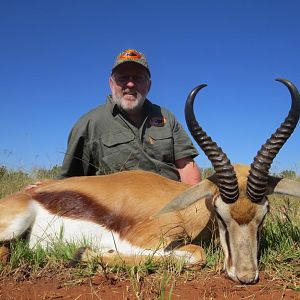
122,79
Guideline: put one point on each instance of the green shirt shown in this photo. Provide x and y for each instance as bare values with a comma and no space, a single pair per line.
103,141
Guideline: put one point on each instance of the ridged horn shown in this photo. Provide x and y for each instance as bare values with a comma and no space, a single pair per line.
226,177
258,175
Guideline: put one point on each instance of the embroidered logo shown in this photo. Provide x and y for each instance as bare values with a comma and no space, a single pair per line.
158,121
130,54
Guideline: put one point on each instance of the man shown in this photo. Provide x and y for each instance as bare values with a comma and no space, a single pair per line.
129,132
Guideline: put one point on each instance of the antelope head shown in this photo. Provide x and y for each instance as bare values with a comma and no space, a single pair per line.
241,202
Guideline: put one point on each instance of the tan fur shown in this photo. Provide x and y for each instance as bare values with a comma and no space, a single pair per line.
242,172
198,253
138,195
113,257
243,210
11,206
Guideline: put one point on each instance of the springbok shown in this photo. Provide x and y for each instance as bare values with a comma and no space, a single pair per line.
133,214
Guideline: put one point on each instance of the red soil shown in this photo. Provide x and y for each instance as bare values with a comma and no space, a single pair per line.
212,286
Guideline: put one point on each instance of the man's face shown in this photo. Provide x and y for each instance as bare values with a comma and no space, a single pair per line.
130,84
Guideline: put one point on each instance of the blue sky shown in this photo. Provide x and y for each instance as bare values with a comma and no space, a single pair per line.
56,57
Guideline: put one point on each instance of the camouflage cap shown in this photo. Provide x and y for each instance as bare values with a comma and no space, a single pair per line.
131,55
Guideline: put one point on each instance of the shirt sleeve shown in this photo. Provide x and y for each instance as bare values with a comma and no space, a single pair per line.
77,160
183,145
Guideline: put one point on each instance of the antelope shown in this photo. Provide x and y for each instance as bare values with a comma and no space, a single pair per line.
133,214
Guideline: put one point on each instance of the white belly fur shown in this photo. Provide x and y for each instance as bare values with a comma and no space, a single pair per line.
49,229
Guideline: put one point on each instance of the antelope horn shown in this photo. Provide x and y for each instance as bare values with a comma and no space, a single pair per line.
225,174
258,175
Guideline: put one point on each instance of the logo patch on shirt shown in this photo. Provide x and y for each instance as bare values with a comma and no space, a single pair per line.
158,121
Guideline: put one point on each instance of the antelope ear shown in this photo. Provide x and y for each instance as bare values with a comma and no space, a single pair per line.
283,186
195,193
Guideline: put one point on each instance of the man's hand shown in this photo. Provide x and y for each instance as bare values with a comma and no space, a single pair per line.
32,186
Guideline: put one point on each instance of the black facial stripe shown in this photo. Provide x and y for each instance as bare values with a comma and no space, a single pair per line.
222,221
262,221
228,244
258,235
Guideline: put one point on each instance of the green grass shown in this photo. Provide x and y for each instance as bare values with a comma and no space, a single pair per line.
280,245
279,258
12,181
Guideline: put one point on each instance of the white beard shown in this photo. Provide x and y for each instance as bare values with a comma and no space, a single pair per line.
129,106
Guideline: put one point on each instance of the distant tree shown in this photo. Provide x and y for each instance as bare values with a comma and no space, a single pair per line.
3,171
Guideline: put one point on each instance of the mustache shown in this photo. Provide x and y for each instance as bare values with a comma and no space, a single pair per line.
133,91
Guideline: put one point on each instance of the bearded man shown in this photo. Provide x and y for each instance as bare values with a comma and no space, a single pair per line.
129,132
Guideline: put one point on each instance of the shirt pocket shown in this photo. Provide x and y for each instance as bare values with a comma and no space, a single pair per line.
118,151
114,140
161,145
